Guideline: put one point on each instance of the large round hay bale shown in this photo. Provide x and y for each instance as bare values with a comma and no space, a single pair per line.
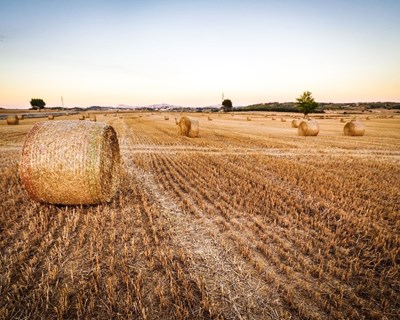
354,128
188,127
12,119
50,117
70,162
295,123
308,128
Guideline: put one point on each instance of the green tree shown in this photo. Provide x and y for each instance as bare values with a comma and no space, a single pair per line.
306,104
227,105
37,104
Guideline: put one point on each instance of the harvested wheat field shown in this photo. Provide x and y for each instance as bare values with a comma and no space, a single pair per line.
248,220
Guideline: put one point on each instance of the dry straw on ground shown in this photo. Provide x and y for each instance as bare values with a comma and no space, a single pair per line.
295,123
188,127
70,162
354,128
12,119
308,128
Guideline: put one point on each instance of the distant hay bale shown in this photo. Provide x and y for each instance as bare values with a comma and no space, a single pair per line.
342,120
248,119
283,120
50,117
308,128
295,123
81,117
209,119
367,118
176,121
12,119
166,118
354,128
20,117
273,118
188,127
93,118
70,162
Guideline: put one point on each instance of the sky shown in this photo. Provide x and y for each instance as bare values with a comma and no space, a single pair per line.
113,52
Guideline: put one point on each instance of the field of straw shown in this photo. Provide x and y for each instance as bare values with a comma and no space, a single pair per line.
247,221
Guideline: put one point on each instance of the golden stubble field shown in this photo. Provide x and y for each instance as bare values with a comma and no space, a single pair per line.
248,221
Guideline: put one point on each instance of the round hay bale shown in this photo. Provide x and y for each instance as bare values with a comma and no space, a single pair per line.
50,117
367,118
354,128
70,162
248,119
209,119
21,117
188,127
283,120
295,123
273,118
12,119
166,118
93,118
308,128
82,117
342,120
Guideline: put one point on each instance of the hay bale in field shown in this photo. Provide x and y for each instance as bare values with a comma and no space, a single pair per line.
188,127
81,117
295,123
283,120
342,120
209,119
354,128
70,162
273,118
50,117
248,119
93,118
12,119
20,117
176,121
166,118
308,128
367,118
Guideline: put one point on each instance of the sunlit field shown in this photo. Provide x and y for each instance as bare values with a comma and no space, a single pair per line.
247,221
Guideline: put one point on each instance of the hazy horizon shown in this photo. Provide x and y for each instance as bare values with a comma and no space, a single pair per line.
188,53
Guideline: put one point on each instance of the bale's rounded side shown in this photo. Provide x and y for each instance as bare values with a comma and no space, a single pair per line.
166,118
12,120
70,162
82,117
184,125
295,123
50,117
308,128
354,128
283,120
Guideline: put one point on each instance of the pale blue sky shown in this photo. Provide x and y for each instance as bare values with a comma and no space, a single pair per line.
189,52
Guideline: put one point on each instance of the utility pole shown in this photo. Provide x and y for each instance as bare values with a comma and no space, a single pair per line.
62,101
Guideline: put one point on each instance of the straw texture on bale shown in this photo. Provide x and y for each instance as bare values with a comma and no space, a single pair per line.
70,162
12,119
50,117
295,123
354,128
308,128
188,127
